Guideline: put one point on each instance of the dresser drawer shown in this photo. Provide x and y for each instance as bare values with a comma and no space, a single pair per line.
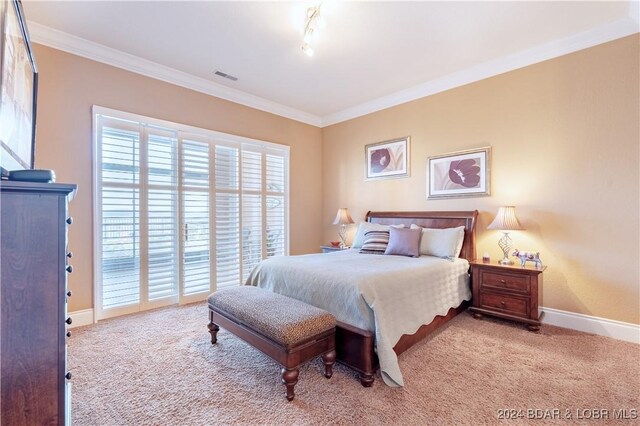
502,281
512,305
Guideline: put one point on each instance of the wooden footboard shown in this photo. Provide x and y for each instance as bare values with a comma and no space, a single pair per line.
356,347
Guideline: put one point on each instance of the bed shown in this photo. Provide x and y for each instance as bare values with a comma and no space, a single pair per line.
383,304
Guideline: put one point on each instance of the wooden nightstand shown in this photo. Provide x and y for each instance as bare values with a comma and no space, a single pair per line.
329,249
507,291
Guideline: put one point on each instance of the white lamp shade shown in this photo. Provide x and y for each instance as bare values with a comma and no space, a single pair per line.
343,217
506,220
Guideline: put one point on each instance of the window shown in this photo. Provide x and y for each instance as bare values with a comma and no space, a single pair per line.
181,211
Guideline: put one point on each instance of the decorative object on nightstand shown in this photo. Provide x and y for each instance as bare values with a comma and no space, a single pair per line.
528,256
509,292
343,218
332,248
506,221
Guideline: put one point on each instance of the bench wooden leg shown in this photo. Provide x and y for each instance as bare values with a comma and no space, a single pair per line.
290,378
213,329
329,359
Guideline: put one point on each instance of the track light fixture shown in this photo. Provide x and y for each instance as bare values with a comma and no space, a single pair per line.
313,22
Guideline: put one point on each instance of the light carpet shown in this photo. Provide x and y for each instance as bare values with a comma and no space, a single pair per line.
159,368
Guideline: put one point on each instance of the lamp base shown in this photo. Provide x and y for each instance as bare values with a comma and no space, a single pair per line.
343,236
505,245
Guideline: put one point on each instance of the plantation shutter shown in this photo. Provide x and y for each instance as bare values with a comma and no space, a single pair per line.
227,201
120,214
162,214
181,211
275,205
251,211
196,275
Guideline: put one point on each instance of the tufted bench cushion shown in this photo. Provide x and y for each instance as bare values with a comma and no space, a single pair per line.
283,319
288,330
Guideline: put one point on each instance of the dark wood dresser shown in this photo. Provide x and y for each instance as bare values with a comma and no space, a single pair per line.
508,291
33,305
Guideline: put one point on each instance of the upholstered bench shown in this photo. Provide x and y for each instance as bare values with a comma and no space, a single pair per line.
288,330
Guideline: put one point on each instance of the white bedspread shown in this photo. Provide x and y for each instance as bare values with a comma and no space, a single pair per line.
391,295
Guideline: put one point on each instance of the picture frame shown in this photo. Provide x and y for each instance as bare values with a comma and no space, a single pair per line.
18,90
388,159
459,174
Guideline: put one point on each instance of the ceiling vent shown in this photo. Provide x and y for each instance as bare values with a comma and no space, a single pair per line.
225,75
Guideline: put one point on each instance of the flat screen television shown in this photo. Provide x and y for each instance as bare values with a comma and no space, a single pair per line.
18,90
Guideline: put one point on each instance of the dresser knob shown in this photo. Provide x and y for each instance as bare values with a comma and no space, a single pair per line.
69,321
503,282
70,255
69,220
68,376
69,293
503,303
68,334
69,269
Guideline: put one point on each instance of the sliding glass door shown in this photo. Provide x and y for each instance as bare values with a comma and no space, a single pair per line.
179,213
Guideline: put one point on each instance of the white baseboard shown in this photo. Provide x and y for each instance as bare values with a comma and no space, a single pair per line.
80,318
589,324
604,327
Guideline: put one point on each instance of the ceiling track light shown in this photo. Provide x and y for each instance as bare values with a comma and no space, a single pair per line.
313,22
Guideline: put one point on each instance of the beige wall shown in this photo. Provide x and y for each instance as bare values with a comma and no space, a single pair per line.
565,138
70,85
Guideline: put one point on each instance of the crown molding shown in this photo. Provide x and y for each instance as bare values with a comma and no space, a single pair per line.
87,49
605,33
78,46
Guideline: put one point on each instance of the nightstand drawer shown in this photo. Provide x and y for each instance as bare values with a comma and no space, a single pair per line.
500,281
507,304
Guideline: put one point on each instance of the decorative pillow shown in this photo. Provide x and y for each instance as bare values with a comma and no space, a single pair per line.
375,242
445,243
365,227
404,242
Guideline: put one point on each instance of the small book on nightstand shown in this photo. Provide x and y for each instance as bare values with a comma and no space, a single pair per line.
329,249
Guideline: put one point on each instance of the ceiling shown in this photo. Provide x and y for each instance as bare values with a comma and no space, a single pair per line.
370,55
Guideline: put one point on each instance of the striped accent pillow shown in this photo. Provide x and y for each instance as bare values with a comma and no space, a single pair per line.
375,242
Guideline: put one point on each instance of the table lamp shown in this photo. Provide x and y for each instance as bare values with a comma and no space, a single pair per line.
343,218
506,221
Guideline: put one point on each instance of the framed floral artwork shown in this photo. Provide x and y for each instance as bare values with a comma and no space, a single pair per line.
459,174
388,159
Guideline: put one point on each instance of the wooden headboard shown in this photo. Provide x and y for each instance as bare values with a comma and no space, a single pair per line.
435,220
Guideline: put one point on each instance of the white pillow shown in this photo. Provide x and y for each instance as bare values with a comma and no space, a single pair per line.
365,227
445,243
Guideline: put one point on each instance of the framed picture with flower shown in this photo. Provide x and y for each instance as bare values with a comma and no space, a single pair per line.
388,159
459,174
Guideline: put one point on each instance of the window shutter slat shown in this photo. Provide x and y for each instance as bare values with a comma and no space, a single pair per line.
275,205
196,276
227,216
251,232
162,210
120,250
